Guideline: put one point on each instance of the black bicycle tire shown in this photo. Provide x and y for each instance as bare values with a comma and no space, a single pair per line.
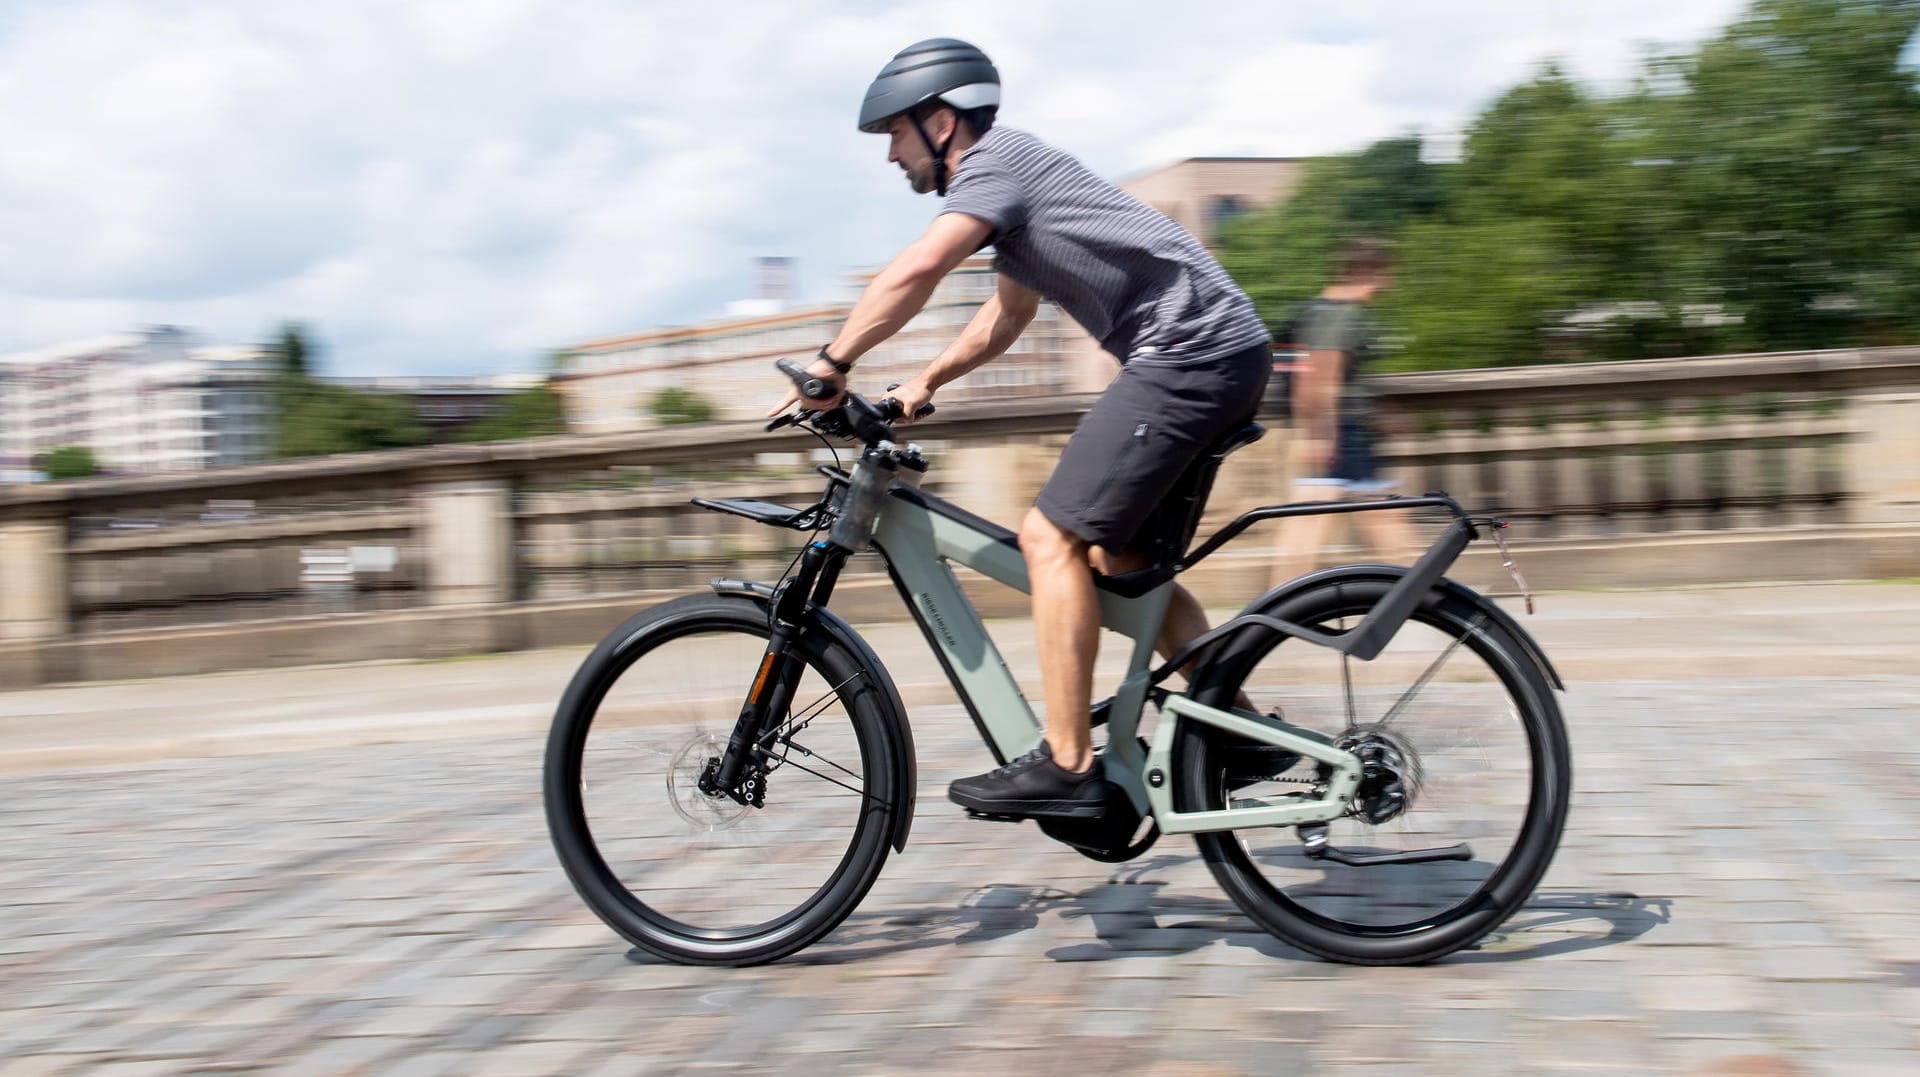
1505,890
572,835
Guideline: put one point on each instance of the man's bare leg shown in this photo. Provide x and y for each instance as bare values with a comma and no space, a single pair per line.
1185,621
1301,540
1388,534
1066,633
1066,628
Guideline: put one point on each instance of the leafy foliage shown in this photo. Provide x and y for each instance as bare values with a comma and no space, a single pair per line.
70,462
673,406
290,350
529,413
314,418
317,419
1757,194
1283,256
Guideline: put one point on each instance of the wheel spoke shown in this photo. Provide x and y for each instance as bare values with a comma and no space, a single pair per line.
813,710
1473,627
784,761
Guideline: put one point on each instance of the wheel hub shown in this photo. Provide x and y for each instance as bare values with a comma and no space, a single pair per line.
690,776
1390,773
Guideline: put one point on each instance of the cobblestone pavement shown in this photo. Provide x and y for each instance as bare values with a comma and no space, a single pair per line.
1736,894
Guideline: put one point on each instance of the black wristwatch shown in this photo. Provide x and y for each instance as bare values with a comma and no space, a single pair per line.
844,368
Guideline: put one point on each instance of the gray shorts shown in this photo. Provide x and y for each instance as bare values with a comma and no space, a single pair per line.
1138,439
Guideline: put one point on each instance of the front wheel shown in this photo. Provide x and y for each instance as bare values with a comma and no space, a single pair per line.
1464,749
703,878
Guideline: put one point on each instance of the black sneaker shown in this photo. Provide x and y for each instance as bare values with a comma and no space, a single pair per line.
1033,785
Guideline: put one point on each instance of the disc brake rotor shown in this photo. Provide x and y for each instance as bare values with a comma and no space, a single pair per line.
1390,772
715,812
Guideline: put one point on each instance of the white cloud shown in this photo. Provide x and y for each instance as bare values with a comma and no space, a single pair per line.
461,185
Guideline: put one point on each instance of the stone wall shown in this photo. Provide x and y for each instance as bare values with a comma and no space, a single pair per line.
1797,466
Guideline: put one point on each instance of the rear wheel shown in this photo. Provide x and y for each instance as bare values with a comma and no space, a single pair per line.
1462,743
703,878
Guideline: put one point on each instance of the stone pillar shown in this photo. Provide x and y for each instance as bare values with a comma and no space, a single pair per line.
1882,458
469,540
34,611
33,579
997,480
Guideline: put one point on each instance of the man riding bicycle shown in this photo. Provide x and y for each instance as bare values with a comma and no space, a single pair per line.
1194,360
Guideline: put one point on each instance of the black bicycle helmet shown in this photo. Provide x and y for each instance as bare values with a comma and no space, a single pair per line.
952,72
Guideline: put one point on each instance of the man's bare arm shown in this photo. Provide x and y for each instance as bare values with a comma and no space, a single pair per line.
993,329
895,295
903,287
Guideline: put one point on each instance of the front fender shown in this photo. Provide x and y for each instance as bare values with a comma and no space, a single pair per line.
899,746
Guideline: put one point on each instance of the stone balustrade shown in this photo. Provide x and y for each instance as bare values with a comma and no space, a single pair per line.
419,542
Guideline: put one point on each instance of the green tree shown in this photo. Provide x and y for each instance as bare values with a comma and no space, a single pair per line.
1757,193
1790,144
316,418
1283,255
1389,186
1480,294
70,462
1545,226
673,406
529,413
289,351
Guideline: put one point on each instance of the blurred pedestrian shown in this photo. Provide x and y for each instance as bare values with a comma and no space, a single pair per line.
1332,448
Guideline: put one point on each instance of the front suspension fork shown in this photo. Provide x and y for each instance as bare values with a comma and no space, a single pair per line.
771,695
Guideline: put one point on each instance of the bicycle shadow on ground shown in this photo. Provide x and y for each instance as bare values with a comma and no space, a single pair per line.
1547,924
1131,916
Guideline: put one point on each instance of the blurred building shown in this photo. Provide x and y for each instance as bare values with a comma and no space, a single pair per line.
773,290
447,405
608,383
141,401
1203,193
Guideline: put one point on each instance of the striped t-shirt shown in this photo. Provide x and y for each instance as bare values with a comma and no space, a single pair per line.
1145,289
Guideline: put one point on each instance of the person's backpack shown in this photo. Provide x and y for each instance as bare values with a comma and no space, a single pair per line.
1289,358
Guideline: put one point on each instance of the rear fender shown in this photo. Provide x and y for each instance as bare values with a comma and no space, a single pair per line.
1273,600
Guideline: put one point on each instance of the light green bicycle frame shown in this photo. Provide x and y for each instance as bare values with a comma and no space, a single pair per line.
919,539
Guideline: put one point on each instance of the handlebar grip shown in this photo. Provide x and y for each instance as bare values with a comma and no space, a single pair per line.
809,386
890,408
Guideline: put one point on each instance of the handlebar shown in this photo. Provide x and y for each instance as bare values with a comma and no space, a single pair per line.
855,418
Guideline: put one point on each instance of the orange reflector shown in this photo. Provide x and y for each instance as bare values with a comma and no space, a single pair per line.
759,682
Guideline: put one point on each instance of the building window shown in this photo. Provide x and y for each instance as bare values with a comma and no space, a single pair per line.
1221,210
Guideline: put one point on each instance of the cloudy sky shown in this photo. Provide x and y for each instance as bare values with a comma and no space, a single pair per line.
462,186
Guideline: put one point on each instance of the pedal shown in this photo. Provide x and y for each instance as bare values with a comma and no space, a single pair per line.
993,817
